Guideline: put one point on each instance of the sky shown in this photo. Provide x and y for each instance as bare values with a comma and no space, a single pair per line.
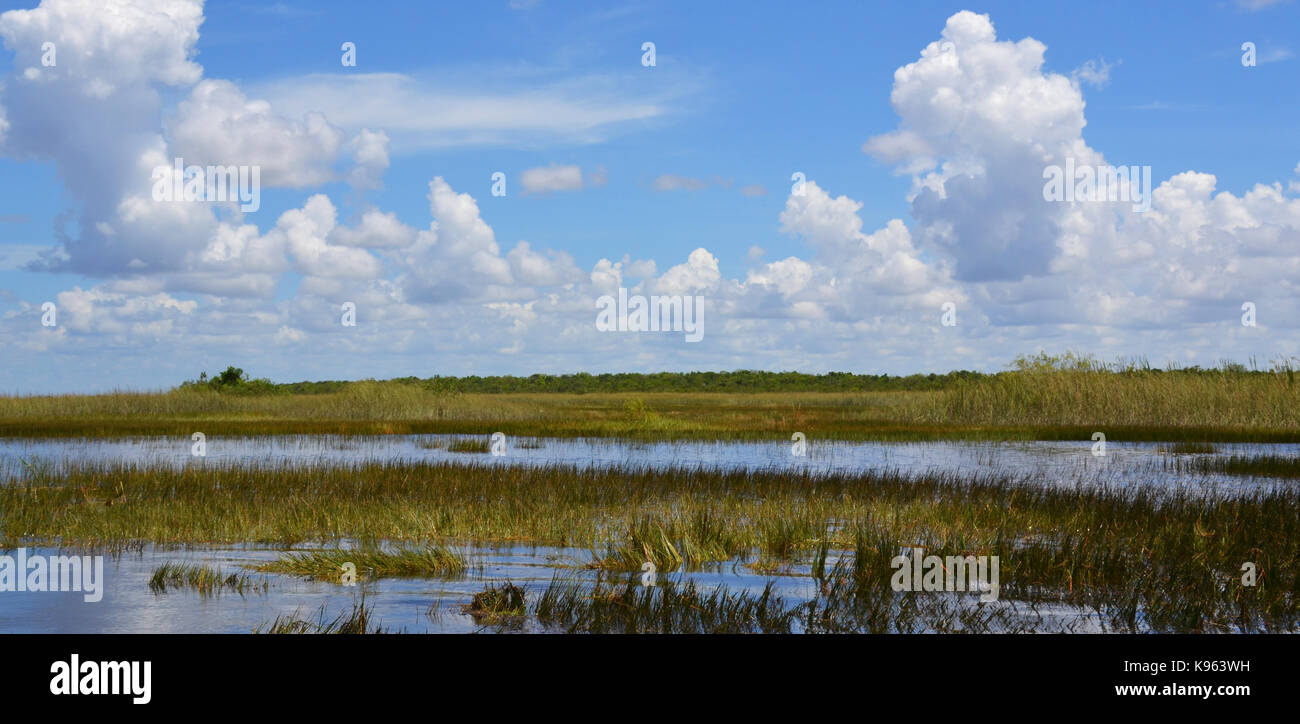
844,186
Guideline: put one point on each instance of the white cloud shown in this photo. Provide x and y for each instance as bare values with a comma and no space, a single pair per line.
1095,73
377,230
370,159
673,182
218,125
485,109
105,46
547,179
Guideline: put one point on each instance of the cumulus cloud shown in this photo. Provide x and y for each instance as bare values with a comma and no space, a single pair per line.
377,230
993,119
218,125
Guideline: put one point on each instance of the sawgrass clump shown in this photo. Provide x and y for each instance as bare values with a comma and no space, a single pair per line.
208,581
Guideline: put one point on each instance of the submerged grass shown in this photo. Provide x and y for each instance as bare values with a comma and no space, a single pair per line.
206,580
850,599
358,620
575,606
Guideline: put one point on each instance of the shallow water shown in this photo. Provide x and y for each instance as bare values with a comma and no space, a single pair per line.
1046,462
409,605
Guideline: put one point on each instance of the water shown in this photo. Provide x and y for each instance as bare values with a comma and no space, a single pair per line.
1047,463
422,605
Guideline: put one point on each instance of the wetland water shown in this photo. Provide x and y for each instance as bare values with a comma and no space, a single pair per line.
1046,463
434,604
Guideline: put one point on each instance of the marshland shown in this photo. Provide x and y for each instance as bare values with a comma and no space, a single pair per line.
673,503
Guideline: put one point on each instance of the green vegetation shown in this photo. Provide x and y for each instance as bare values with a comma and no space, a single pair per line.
231,381
204,579
1048,398
730,382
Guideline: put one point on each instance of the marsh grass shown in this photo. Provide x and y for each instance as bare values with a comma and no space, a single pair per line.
371,563
1269,466
849,599
206,580
1188,448
468,446
1141,558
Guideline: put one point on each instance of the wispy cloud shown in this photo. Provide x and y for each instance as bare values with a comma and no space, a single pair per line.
1275,54
1164,106
548,179
479,109
1095,73
1257,5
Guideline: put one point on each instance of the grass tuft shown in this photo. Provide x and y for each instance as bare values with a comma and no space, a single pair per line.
371,564
206,580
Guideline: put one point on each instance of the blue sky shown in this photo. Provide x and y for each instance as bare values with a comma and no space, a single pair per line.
695,153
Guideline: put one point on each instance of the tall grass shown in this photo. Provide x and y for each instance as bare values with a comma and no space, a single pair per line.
1070,392
1046,398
